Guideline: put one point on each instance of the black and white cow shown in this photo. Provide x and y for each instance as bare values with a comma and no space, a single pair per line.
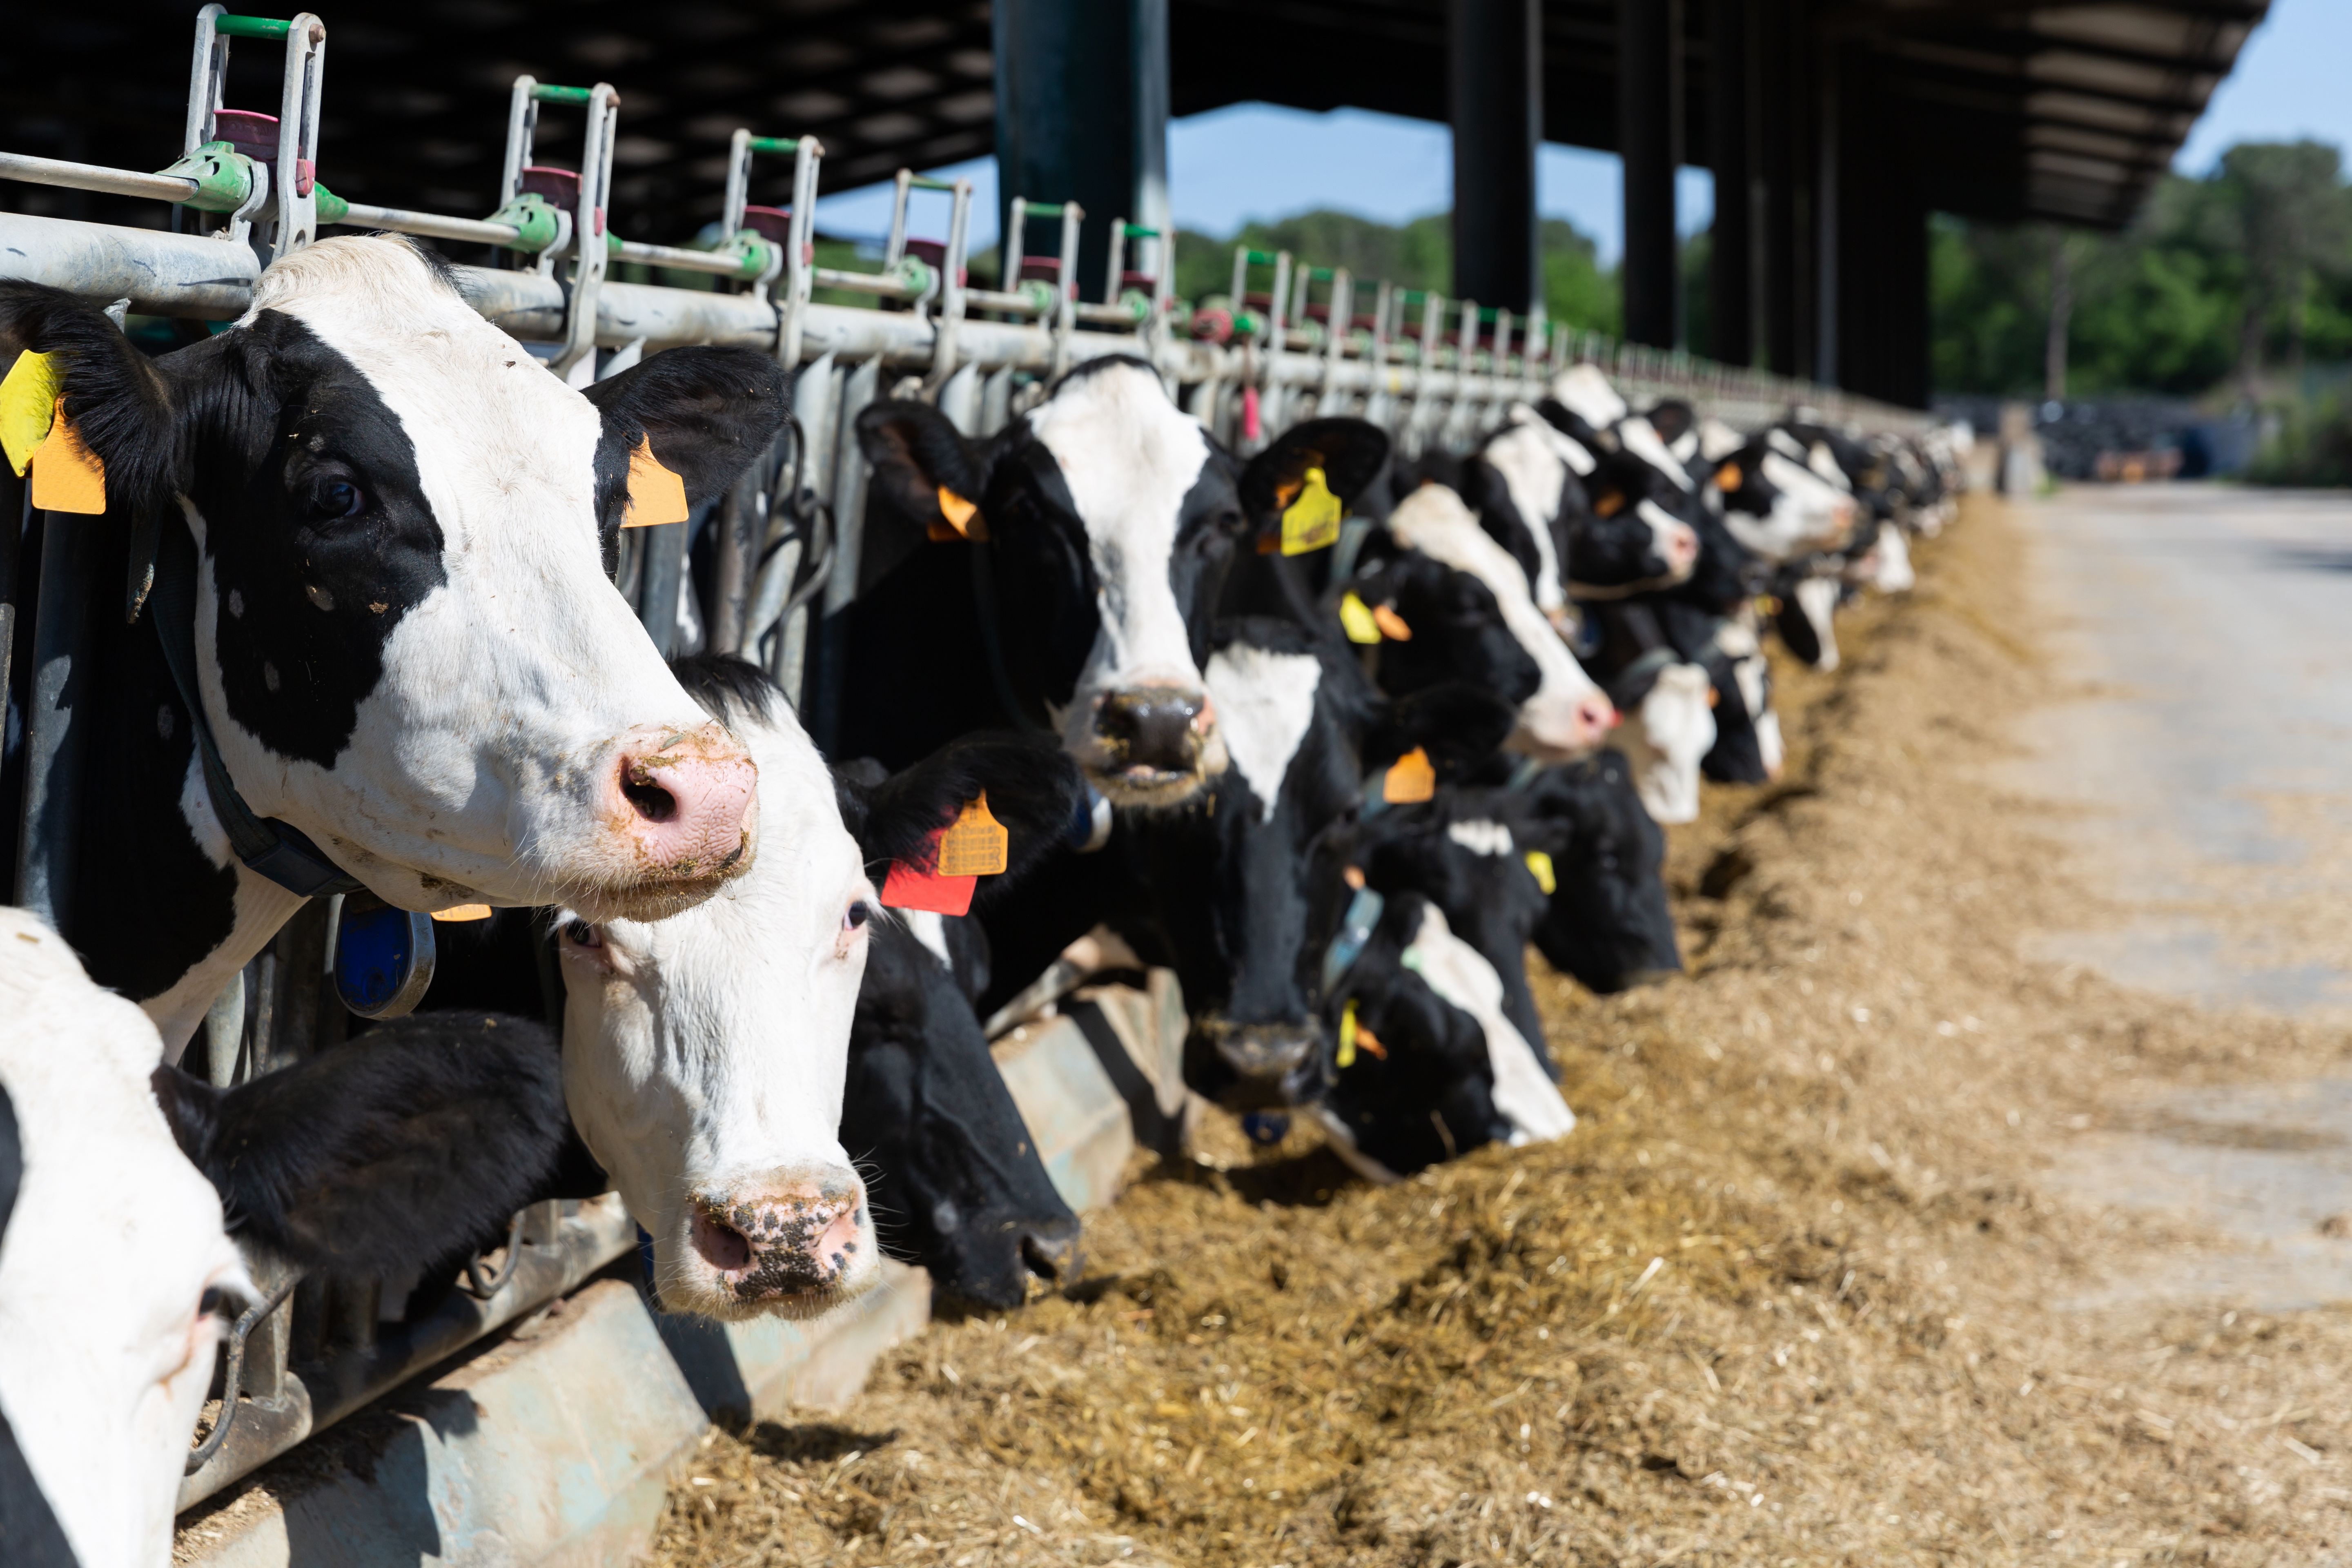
404,643
1104,522
706,1056
1609,924
406,1146
1230,902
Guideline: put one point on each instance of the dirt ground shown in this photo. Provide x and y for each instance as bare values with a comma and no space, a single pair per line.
1797,1290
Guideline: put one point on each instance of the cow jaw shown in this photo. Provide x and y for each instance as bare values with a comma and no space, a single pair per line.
704,1062
105,1259
1139,721
488,723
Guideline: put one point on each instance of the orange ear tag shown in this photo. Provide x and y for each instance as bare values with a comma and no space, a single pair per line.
1727,477
1410,779
975,846
1312,521
656,495
959,514
1610,505
1392,624
460,912
67,476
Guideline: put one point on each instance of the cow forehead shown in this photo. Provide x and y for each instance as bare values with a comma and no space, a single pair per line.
1585,392
488,422
1796,480
1265,703
1640,438
1129,456
1481,835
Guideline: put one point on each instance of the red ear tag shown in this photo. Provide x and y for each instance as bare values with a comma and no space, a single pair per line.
975,846
908,889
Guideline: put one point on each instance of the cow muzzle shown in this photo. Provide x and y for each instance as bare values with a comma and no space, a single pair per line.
1565,730
1152,746
793,1250
1266,1065
682,807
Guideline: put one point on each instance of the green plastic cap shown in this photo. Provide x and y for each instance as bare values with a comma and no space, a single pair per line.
251,27
547,93
774,144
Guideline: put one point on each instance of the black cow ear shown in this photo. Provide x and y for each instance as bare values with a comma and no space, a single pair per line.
1032,786
117,405
923,467
1350,452
697,414
1458,725
191,1108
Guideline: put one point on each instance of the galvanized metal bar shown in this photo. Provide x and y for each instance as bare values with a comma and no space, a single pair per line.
401,220
35,171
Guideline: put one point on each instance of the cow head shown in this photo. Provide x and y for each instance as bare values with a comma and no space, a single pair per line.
405,643
1232,877
1526,486
1777,504
1566,715
1113,518
103,1376
1609,924
1671,708
956,1179
704,1054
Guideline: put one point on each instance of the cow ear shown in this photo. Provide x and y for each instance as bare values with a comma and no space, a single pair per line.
191,1108
117,448
1459,726
1350,452
1034,789
923,467
698,415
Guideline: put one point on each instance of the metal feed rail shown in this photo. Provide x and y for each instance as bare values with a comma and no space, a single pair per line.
246,189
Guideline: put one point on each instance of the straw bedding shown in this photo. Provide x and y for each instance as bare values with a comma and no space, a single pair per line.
1796,1289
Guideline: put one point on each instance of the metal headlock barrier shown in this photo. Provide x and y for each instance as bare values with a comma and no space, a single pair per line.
1303,342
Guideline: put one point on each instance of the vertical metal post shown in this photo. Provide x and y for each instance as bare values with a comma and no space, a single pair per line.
1649,139
849,538
1495,80
1732,268
58,719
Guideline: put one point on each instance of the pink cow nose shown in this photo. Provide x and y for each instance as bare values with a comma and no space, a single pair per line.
1682,546
685,800
1595,717
799,1238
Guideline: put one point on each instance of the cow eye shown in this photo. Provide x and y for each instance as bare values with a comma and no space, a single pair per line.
332,498
583,934
856,915
217,1302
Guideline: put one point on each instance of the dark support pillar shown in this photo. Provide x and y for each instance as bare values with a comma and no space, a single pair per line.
1732,274
1649,137
1783,54
1878,276
1082,102
1496,94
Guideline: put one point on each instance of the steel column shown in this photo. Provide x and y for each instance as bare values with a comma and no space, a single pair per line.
1780,57
1649,139
1733,264
1082,97
1494,76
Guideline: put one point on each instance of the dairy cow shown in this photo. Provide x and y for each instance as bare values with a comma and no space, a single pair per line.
1101,527
381,532
1608,923
707,1056
412,1144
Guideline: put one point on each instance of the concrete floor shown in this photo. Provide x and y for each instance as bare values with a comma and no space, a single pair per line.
2203,782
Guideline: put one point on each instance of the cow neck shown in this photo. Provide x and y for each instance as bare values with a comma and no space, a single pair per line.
265,846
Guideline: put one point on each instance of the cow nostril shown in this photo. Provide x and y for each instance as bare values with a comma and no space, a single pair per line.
1049,1258
650,801
721,1244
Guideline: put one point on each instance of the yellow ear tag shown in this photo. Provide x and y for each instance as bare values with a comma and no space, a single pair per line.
1727,477
29,405
1360,623
1390,624
977,844
1312,521
1347,1056
656,495
1410,780
1539,864
456,913
66,475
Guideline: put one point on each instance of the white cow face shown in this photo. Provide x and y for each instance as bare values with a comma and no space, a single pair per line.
115,1273
1568,716
405,643
1672,729
1778,506
704,1058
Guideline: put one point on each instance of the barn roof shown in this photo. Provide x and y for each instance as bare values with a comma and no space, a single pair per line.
2023,108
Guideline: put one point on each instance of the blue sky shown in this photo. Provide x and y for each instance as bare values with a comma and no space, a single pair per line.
1255,161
